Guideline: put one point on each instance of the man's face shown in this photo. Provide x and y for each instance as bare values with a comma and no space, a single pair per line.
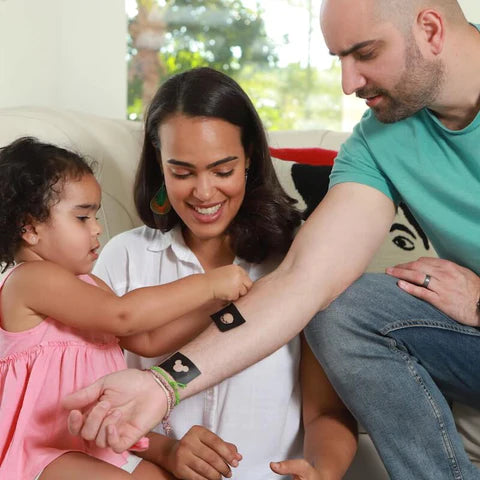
379,62
418,86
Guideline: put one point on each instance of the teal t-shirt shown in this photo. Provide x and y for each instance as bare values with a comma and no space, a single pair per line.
434,170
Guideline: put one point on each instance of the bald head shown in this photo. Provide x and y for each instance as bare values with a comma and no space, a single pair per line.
403,13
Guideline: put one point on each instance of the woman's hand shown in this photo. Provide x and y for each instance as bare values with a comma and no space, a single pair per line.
298,468
452,289
119,409
229,282
202,455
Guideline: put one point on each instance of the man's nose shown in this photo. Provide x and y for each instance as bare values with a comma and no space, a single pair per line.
352,78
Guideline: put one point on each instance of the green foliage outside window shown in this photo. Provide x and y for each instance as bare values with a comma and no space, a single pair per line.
172,36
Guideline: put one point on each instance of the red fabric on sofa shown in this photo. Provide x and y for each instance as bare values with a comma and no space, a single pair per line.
308,156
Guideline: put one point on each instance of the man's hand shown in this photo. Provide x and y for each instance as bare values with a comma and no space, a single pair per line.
118,409
202,455
298,468
452,289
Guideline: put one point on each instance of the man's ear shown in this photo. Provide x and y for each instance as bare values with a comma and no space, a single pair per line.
29,234
431,31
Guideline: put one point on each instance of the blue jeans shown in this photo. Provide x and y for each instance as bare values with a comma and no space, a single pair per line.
397,362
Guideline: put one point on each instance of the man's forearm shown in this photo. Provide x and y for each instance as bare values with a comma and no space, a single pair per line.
329,253
270,323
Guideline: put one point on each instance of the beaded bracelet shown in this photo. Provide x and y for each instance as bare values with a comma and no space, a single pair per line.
169,393
174,386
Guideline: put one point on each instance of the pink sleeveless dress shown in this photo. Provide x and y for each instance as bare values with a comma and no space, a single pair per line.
38,367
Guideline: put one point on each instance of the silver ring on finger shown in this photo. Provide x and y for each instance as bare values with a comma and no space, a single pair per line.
426,282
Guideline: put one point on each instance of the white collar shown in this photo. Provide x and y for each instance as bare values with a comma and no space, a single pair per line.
173,239
158,242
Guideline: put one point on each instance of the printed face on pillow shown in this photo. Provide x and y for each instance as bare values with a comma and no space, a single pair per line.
408,235
311,183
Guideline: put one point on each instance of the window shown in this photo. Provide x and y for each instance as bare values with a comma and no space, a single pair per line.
273,48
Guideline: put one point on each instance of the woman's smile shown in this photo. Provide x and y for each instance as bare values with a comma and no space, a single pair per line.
207,213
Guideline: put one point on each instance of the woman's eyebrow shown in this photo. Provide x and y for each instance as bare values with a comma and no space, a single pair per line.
181,163
220,162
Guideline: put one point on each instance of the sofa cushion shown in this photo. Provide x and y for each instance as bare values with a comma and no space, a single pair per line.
304,172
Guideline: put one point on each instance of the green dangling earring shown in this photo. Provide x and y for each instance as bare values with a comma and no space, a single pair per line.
160,204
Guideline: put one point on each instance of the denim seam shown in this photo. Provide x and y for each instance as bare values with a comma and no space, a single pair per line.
449,450
465,330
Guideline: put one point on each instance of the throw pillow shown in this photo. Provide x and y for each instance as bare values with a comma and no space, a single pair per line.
304,172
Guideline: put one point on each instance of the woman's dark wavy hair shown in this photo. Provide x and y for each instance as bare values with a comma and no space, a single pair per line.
267,219
32,175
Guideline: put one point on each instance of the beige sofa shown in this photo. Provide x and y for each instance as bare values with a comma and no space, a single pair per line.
115,145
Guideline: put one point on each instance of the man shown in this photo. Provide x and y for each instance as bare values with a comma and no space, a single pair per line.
396,347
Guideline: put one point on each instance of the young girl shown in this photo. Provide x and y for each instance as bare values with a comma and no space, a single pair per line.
59,324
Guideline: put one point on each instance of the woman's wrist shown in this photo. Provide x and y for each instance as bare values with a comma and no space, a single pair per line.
160,450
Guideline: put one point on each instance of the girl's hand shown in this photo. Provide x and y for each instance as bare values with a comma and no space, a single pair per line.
229,282
298,468
202,455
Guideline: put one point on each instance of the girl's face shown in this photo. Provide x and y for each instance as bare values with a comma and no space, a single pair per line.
204,165
70,235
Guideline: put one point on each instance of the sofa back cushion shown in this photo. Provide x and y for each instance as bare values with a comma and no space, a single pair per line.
304,172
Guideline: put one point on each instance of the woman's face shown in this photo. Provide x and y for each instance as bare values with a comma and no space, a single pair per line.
204,165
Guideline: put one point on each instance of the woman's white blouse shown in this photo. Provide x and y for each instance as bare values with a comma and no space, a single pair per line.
259,409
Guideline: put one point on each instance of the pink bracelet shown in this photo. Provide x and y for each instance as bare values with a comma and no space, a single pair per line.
169,393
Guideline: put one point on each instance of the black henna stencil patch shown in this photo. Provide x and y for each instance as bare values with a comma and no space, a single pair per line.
181,368
228,318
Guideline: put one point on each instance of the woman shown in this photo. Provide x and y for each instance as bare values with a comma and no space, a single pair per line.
208,195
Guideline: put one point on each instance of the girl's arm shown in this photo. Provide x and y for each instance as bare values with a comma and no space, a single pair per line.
172,336
47,289
330,439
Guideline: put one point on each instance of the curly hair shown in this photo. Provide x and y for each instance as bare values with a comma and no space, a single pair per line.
267,220
32,175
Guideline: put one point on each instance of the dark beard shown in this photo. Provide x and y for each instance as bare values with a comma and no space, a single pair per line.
417,88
